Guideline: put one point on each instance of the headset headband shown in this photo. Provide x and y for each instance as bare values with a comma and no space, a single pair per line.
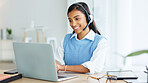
88,16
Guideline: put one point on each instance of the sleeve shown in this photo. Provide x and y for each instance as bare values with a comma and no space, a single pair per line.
59,54
96,63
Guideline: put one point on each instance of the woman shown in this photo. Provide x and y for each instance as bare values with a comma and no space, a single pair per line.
83,50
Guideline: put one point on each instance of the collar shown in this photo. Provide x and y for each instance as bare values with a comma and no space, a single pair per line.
90,35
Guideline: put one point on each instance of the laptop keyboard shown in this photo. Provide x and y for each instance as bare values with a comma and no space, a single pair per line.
65,76
61,76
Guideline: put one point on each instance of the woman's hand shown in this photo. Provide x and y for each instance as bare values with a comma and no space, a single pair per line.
59,66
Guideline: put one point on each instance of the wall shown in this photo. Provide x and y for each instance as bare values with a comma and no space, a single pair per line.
124,23
140,32
18,14
140,24
124,30
132,18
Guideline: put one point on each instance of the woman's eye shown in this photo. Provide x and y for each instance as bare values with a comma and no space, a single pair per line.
70,20
77,18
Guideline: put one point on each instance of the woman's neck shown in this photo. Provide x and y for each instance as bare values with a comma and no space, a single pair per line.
83,33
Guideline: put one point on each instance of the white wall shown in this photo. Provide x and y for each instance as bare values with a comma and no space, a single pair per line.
140,24
18,14
140,32
132,19
123,29
124,23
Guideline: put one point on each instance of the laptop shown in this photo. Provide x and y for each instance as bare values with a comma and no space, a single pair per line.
37,61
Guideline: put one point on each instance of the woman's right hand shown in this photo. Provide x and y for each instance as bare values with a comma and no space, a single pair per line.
59,66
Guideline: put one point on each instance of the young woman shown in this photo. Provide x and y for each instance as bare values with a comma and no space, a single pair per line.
83,50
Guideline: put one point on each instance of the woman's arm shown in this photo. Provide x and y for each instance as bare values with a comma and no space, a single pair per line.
59,54
96,63
77,68
72,68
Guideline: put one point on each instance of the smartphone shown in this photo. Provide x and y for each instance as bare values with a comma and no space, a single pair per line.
13,71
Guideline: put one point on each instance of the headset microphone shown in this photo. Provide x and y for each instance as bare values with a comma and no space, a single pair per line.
90,21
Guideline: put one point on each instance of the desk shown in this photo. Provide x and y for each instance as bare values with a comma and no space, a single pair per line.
81,79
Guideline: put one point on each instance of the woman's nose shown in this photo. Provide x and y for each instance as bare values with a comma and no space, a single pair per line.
73,23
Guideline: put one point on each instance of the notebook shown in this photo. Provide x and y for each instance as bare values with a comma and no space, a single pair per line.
122,74
37,61
5,78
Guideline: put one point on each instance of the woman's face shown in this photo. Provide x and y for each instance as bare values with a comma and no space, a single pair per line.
77,20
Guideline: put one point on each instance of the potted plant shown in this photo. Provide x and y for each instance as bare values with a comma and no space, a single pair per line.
136,53
9,33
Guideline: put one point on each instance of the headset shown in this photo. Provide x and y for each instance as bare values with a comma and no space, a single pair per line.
90,17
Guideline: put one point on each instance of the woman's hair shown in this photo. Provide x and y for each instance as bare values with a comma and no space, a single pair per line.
78,6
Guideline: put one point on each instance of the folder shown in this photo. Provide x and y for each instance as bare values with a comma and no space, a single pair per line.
121,75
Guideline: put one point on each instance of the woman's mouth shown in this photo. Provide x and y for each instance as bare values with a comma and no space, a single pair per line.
75,28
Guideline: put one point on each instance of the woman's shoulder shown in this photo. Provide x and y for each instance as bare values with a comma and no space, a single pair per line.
97,36
68,35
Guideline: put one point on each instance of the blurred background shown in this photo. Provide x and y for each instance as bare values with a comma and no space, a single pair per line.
123,22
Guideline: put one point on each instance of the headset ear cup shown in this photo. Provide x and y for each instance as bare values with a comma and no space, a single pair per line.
91,18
